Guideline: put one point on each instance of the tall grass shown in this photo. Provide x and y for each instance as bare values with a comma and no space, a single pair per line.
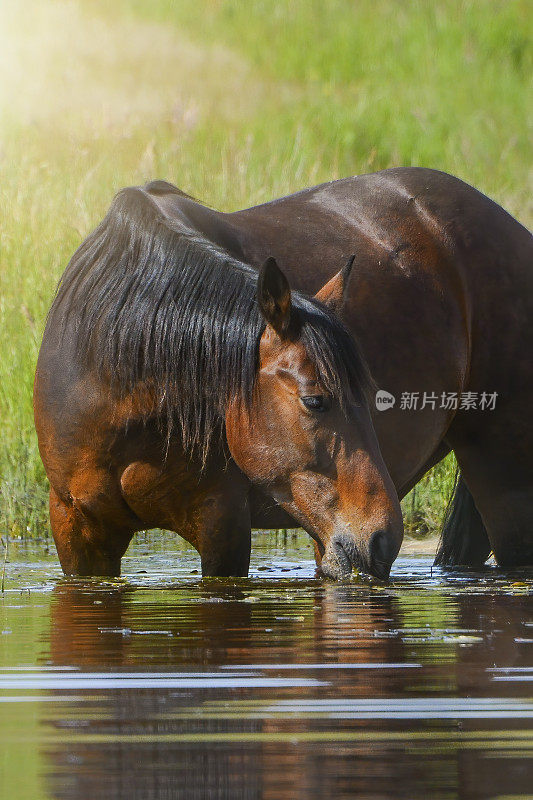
236,103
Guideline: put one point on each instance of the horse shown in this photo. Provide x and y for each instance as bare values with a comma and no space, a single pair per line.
437,302
162,355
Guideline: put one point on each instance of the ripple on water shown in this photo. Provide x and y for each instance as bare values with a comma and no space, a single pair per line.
162,685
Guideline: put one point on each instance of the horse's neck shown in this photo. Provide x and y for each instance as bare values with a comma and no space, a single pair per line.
253,234
214,225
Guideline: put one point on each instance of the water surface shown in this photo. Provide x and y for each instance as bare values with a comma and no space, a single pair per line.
280,686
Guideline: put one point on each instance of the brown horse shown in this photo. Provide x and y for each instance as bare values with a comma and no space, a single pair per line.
158,343
134,391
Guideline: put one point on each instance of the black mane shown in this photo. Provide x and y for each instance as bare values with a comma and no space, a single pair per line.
152,301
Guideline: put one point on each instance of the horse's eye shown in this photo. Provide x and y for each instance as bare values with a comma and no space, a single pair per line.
317,402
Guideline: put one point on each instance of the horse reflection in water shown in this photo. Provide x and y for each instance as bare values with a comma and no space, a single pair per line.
363,636
206,631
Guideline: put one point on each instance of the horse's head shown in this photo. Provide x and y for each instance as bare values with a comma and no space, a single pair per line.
308,439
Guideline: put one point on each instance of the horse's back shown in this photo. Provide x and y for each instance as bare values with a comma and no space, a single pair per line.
390,208
410,228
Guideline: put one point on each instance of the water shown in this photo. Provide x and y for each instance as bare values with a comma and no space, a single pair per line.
281,686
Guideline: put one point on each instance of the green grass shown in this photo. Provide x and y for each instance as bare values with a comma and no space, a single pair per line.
236,103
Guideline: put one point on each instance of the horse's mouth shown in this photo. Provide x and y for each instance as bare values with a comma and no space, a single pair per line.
342,557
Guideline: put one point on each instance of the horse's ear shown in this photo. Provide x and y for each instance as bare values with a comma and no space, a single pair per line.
333,294
274,297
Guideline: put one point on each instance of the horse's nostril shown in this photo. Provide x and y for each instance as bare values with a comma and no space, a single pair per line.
347,545
379,556
345,553
343,558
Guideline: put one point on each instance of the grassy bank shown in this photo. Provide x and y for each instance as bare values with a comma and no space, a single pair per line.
236,103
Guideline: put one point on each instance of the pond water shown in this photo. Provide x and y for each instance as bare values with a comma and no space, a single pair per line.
280,686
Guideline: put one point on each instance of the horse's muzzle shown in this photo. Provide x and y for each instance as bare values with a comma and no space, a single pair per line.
343,555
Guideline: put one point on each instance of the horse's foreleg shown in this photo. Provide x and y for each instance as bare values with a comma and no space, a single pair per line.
223,528
224,538
318,555
210,510
84,545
